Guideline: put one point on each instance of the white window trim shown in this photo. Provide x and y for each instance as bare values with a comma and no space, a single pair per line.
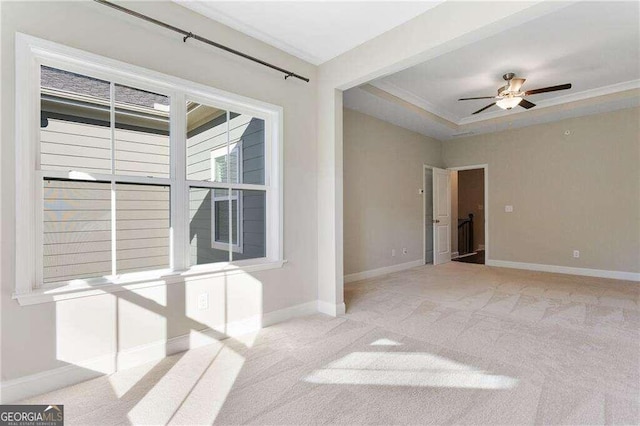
31,53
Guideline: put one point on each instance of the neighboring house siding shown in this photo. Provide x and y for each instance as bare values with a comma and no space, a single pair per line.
77,218
77,215
77,229
67,145
200,143
253,229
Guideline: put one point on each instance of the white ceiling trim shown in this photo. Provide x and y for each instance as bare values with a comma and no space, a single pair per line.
216,15
427,106
579,96
403,114
414,99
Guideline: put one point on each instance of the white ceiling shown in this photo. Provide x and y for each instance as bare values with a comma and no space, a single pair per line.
315,31
593,45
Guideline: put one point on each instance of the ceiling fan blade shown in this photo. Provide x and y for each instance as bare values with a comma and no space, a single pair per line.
516,83
481,97
548,89
526,104
488,106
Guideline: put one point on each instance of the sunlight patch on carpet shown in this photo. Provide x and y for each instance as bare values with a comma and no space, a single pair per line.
407,369
385,342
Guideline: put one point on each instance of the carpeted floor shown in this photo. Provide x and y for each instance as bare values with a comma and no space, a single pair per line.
455,343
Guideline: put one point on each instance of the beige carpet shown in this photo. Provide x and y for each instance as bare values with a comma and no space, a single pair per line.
457,343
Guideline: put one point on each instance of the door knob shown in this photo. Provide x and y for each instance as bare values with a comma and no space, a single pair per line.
436,221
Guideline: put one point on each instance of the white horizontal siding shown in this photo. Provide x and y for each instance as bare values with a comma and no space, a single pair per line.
77,221
142,199
67,145
77,229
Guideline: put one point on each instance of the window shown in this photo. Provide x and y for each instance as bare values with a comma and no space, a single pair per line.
227,150
92,134
138,175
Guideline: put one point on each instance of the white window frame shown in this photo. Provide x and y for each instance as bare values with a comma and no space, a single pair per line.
225,151
238,247
31,54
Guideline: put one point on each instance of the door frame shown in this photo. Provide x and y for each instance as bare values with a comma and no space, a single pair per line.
486,202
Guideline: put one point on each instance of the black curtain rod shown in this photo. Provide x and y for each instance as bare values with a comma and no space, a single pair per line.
187,35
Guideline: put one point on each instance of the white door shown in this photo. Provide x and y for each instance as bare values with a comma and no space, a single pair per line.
441,216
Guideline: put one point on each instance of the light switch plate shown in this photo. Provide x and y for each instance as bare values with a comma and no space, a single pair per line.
508,209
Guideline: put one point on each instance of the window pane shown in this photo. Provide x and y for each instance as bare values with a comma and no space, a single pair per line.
142,133
208,225
142,227
252,225
76,230
207,150
75,129
247,136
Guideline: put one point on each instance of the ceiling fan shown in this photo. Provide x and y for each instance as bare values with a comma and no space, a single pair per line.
510,96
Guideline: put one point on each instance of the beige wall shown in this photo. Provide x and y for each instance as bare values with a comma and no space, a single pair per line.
383,170
471,200
45,336
569,191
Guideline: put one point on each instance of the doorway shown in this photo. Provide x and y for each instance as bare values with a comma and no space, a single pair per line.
469,214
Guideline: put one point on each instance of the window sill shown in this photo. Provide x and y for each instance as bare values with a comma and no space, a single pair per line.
199,272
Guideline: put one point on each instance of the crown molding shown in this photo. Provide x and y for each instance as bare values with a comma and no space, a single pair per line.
416,100
208,10
410,98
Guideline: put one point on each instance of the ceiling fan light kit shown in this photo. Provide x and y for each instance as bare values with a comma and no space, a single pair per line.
509,102
510,95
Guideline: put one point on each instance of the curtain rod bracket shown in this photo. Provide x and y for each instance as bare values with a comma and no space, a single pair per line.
188,36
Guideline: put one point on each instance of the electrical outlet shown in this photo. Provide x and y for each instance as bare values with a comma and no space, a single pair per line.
405,251
576,253
203,301
393,252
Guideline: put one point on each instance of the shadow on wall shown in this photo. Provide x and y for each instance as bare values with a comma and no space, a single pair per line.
84,337
157,393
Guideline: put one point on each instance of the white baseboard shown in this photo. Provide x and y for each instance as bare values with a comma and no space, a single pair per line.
480,246
281,315
382,271
455,254
47,381
600,273
333,309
